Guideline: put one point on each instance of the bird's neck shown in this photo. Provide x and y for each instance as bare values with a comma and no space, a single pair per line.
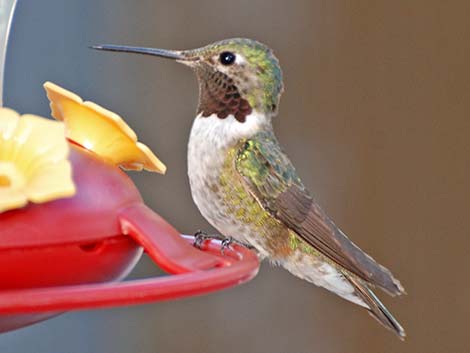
222,133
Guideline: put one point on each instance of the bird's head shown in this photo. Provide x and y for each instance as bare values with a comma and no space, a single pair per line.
236,76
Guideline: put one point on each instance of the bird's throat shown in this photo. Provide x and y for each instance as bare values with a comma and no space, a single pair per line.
219,96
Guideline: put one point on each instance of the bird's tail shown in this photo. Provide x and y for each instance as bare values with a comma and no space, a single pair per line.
376,309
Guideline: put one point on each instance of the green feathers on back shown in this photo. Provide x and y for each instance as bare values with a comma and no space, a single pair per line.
267,173
266,168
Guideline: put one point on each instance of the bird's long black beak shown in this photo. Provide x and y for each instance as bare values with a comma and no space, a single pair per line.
181,56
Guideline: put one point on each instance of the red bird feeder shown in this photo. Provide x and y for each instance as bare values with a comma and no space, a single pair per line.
67,241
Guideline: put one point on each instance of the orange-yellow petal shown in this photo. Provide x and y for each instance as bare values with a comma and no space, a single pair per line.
101,131
34,163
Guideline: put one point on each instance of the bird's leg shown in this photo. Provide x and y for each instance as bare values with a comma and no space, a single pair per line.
230,240
200,237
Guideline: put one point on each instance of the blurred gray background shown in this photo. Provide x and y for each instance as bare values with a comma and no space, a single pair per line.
375,117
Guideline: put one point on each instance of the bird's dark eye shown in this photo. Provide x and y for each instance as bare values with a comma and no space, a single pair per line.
227,58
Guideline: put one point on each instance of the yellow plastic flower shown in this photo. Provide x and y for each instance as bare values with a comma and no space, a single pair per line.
33,160
101,131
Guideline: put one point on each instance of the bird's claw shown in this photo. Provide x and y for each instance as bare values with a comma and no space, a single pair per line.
200,237
229,241
225,242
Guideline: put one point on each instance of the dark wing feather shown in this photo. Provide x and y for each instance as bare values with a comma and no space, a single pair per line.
271,178
376,309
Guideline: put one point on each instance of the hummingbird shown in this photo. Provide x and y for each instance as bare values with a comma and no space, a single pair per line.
246,187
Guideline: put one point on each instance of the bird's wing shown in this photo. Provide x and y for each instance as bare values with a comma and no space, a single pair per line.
271,178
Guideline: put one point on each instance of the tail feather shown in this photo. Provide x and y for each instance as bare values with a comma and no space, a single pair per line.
376,309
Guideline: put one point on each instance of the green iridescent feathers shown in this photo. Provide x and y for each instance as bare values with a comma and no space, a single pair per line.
268,171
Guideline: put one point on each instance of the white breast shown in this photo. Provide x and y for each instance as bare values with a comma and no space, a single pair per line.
209,141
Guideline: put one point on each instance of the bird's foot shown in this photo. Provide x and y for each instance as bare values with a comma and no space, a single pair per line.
230,240
200,237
